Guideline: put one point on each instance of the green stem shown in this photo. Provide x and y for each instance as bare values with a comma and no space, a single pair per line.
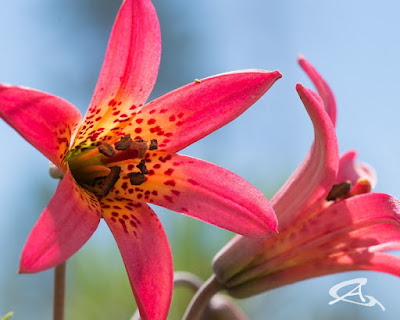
59,291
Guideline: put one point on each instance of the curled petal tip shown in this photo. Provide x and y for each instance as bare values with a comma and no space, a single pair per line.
276,74
300,58
300,87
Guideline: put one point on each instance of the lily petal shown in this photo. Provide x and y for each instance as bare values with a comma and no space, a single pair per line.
310,183
146,253
68,221
129,70
345,236
352,171
341,220
302,193
185,115
201,190
377,261
44,120
358,224
322,87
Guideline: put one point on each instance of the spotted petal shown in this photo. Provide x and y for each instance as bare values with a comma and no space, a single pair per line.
129,70
68,221
313,179
203,191
44,120
322,86
145,250
189,113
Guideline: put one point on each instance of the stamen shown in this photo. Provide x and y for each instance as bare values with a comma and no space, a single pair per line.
339,190
153,144
136,178
106,149
124,143
142,167
362,186
111,180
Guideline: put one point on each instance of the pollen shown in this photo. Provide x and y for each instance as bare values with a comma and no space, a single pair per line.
153,144
197,80
136,178
142,167
124,143
106,149
339,190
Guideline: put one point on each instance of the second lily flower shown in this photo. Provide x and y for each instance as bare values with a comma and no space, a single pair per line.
328,220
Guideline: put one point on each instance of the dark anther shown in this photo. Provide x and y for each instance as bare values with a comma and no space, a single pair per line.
153,144
106,149
339,190
111,179
142,167
136,178
124,143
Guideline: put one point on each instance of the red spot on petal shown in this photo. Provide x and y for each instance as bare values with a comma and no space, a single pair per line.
170,183
172,118
151,121
193,182
169,172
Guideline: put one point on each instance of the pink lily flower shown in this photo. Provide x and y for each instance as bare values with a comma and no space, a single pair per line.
123,155
329,221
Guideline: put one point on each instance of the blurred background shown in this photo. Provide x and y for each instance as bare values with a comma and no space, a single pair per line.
58,47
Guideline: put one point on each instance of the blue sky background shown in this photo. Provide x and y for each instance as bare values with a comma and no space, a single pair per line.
58,47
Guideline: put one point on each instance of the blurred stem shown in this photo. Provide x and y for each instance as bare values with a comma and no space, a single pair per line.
201,298
181,278
59,291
